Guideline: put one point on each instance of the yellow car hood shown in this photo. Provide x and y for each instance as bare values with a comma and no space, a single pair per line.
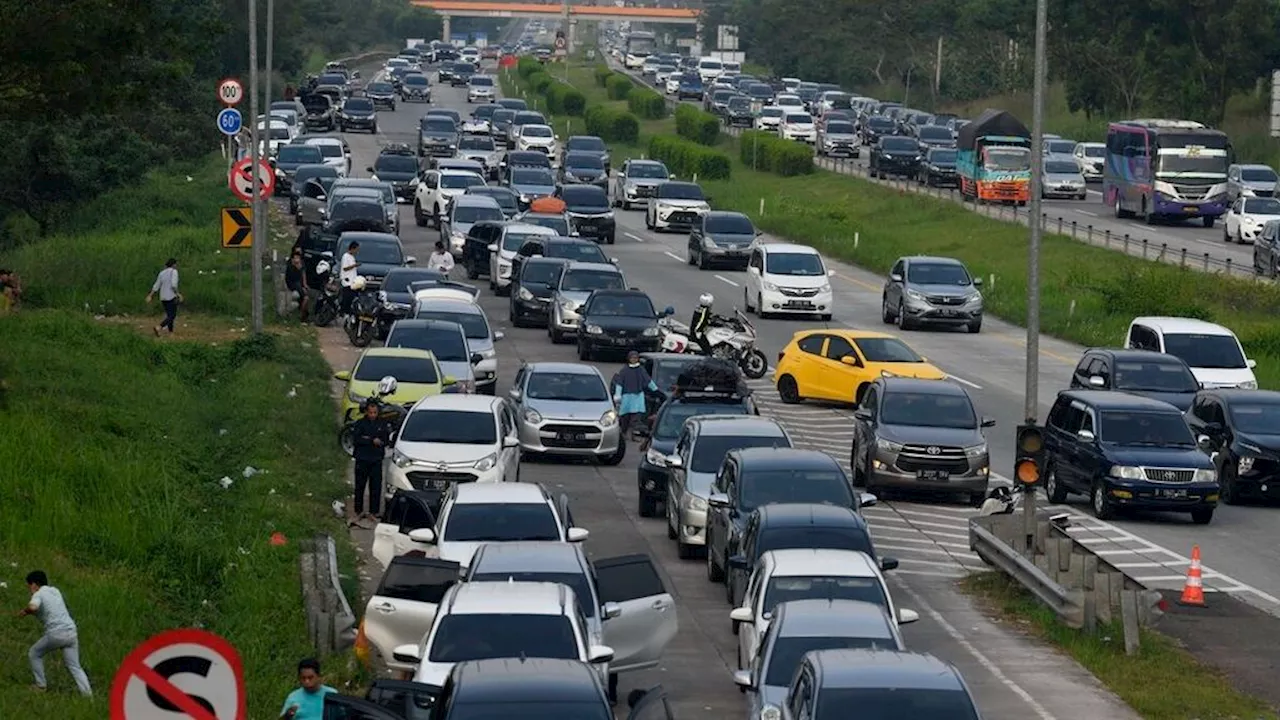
405,392
922,371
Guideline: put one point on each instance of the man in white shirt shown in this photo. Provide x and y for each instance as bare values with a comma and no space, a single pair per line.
441,260
60,632
347,277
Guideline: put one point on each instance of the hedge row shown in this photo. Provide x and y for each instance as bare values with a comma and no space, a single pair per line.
765,151
528,66
689,159
603,73
538,81
619,86
647,104
696,125
562,99
612,125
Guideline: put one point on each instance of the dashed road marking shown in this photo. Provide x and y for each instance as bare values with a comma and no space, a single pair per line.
635,237
724,279
673,256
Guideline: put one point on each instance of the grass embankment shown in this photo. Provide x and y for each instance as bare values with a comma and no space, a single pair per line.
115,444
1088,294
1162,682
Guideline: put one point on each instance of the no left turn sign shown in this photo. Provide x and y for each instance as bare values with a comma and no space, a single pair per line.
180,675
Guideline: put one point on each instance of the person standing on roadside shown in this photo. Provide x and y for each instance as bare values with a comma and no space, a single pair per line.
347,277
371,435
167,286
60,632
629,387
295,279
307,702
441,260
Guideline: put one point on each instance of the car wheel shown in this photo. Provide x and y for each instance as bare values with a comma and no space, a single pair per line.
646,506
788,390
1054,489
974,327
435,216
715,573
886,315
1102,507
617,455
584,353
611,239
903,323
1226,235
825,317
1202,516
746,301
702,261
418,217
649,225
760,307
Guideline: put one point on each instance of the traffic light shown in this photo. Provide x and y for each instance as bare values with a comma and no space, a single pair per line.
1028,466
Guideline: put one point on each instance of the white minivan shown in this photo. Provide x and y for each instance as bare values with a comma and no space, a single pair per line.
709,69
1213,352
787,279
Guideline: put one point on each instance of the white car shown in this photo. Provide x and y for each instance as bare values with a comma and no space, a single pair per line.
709,69
1246,217
481,337
671,85
278,133
676,205
769,118
784,278
403,606
487,620
798,126
538,137
1212,351
454,438
480,89
335,153
437,189
803,574
789,102
503,251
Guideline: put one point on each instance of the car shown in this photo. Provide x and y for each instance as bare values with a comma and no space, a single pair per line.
1247,216
500,124
787,279
590,216
559,222
358,113
589,144
480,88
1090,156
676,206
480,122
585,168
769,118
1213,352
344,189
789,102
933,136
927,290
480,335
437,136
522,159
1260,181
536,136
839,365
317,172
1059,147
530,183
690,87
618,321
358,209
446,341
379,254
381,94
398,285
912,434
1127,452
519,120
336,152
400,170
739,113
566,409
459,164
464,212
416,372
938,168
287,162
505,197
404,604
450,113
1151,374
1240,429
894,156
532,290
566,248
797,126
320,113
451,439
516,104
802,626
437,190
1062,179
800,574
695,460
721,238
415,87
637,181
500,244
577,282
481,149
875,127
838,138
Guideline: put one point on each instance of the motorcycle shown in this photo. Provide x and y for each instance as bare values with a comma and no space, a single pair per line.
1008,500
732,339
329,299
362,324
388,412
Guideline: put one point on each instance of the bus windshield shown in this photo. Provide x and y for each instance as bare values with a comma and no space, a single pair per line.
1191,163
1008,158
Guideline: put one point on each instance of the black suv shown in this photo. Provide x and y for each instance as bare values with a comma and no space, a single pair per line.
1151,374
1241,428
1127,452
938,169
571,249
618,321
532,290
589,212
398,165
894,155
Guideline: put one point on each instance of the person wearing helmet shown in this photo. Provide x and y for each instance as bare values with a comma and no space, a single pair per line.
372,435
701,321
347,277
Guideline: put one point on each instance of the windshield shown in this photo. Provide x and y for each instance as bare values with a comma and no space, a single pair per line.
537,131
501,522
507,200
586,198
622,306
802,264
329,150
1008,159
932,132
415,80
1095,151
588,280
332,79
802,587
937,274
880,124
399,280
1218,352
1059,147
741,103
647,170
543,273
789,651
463,68
502,116
886,350
462,637
453,427
763,487
279,132
1256,419
540,178
1262,206
477,142
1059,167
359,105
895,704
485,112
1192,164
512,241
799,119
300,154
804,537
353,209
529,118
1160,429
438,124
415,370
1155,377
576,251
586,144
839,128
943,157
709,451
457,182
473,325
680,191
710,65
481,81
928,410
396,164
673,416
567,387
583,161
559,223
577,581
448,345
772,112
789,101
899,144
729,225
380,252
474,214
1258,175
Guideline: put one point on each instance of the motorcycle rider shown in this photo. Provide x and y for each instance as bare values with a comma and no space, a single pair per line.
702,317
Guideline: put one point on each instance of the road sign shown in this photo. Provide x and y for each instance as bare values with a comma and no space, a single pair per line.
241,181
180,674
230,91
237,227
229,121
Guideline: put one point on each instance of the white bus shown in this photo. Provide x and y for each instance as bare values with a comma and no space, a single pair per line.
640,45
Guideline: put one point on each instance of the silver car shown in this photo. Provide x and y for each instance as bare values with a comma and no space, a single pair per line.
577,282
481,149
566,409
463,212
637,181
1062,178
923,289
480,336
446,341
692,469
1251,181
384,190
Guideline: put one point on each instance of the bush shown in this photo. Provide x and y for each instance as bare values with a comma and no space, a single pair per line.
767,152
565,99
696,125
647,104
603,73
619,86
527,66
612,125
688,159
539,81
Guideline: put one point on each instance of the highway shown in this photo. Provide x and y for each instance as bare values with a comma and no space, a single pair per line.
1011,677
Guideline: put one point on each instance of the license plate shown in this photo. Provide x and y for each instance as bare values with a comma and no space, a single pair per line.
572,437
798,304
1191,209
366,318
947,313
437,484
1171,494
933,475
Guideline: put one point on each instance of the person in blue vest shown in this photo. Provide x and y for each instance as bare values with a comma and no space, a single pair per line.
629,387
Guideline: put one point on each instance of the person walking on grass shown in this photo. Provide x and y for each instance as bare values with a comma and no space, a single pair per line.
60,632
166,286
307,702
371,435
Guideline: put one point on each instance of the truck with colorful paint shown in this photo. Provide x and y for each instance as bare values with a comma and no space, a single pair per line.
994,159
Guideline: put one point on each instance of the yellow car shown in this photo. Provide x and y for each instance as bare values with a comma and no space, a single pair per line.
416,372
837,365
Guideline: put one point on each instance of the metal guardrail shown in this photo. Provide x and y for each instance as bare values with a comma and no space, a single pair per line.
1067,604
331,625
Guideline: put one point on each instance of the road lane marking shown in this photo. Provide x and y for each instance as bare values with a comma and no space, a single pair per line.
673,256
634,236
962,381
856,281
724,279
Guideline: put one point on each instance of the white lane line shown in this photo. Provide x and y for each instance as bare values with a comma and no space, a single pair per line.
1089,213
635,237
928,573
962,381
724,279
673,256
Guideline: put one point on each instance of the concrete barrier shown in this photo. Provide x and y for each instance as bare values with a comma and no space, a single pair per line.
331,625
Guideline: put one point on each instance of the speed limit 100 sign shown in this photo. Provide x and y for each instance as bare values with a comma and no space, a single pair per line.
230,91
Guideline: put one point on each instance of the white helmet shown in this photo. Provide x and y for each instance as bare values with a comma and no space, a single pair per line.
706,299
387,385
322,267
358,283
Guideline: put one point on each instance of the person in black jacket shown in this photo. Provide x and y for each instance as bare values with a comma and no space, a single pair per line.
371,437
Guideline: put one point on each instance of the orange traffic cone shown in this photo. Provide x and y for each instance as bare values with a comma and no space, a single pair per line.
1193,590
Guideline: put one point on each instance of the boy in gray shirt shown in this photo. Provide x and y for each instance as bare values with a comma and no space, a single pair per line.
59,632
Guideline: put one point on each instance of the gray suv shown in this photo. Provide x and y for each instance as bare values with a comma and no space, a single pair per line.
931,290
912,434
1252,181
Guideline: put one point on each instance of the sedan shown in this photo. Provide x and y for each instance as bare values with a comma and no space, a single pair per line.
1247,216
566,409
617,321
721,238
1063,179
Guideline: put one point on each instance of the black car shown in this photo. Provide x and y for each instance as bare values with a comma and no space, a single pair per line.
320,112
399,169
379,254
500,123
398,74
1151,374
415,87
721,238
876,127
617,321
445,73
934,136
437,136
522,158
461,74
302,175
381,94
1243,428
1127,452
358,114
514,104
397,291
589,213
565,248
507,200
288,160
938,168
353,213
592,145
738,113
532,290
584,168
895,155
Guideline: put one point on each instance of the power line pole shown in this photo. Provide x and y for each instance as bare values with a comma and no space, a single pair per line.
259,207
1032,400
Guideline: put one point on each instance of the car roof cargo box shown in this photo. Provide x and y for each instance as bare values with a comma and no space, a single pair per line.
711,377
991,122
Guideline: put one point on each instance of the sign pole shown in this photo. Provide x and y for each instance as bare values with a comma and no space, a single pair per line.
271,31
1032,399
259,212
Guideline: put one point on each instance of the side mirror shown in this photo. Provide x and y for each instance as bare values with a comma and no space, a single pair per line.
742,614
576,534
759,233
742,678
406,654
343,375
448,380
867,500
475,360
888,563
613,261
716,500
906,617
895,277
1097,381
675,461
849,360
493,247
410,260
599,654
988,422
977,282
610,610
1086,436
862,414
511,441
423,535
738,562
1251,363
498,335
323,212
831,273
368,169
672,176
1204,442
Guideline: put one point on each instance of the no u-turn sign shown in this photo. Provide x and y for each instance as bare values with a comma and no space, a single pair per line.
180,675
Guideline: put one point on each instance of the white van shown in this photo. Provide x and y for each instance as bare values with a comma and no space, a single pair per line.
709,69
784,278
1213,352
732,68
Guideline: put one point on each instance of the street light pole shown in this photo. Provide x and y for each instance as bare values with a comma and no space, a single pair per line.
1032,399
270,68
259,208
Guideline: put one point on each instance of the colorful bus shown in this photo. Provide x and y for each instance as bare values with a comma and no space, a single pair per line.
1166,169
640,45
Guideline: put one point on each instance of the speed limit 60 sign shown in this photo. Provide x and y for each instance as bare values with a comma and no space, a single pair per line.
230,91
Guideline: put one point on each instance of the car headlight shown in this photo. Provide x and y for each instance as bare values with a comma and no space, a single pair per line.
1248,385
487,462
1245,465
373,178
595,330
609,418
1127,472
524,294
770,712
566,305
975,297
414,182
400,459
532,417
976,450
524,198
824,288
915,295
769,286
695,503
358,399
888,445
650,332
654,457
1205,475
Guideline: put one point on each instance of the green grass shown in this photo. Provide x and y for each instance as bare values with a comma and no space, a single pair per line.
1161,682
110,461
